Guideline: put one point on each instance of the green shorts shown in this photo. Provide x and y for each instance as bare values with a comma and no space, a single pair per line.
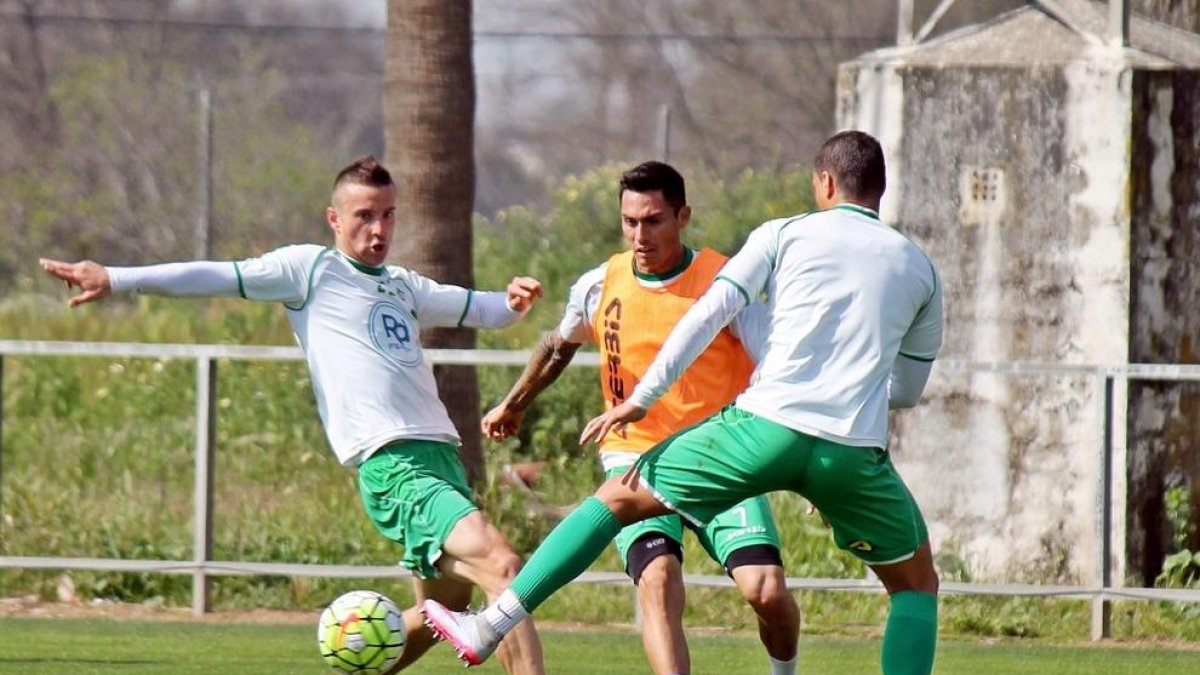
748,523
415,492
711,467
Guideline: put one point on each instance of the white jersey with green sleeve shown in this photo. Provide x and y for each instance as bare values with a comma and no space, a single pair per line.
360,328
846,297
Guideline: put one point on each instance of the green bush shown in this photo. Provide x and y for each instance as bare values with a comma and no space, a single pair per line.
1181,569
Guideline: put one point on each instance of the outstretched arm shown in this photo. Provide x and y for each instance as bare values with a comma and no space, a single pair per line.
450,305
187,279
550,357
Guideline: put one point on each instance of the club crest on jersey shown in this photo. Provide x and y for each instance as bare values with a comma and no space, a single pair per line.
393,335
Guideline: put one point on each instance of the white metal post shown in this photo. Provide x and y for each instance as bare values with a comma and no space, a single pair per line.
206,391
932,22
664,132
904,23
203,232
638,619
1,438
1118,23
1101,606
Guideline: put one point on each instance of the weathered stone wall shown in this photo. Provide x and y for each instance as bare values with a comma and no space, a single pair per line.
1164,434
1010,178
1062,206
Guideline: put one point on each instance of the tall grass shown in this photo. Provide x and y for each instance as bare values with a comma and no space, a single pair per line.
98,462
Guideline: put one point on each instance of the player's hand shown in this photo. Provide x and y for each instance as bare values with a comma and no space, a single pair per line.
523,292
91,278
501,422
612,420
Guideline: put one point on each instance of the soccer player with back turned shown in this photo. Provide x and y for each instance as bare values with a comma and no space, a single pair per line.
855,322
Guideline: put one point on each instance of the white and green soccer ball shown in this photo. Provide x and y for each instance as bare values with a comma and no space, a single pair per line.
361,632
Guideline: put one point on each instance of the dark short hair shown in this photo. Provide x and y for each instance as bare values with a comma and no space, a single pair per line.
656,176
363,171
855,160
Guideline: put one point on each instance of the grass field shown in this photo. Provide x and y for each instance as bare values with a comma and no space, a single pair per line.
108,647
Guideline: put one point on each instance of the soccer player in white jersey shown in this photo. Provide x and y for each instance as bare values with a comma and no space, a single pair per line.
856,321
358,321
627,306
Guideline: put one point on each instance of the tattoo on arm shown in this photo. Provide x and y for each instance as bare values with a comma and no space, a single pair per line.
550,357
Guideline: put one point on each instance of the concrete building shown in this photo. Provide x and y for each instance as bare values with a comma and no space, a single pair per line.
1049,162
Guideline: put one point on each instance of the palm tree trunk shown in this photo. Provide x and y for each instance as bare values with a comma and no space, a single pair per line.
429,129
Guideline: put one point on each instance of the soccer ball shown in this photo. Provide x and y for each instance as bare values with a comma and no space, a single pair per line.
361,632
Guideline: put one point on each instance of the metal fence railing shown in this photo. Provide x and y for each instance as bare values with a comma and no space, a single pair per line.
202,567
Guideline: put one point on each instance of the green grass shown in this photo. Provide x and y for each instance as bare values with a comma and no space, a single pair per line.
54,646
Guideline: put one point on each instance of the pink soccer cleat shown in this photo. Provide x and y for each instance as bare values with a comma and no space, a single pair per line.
472,636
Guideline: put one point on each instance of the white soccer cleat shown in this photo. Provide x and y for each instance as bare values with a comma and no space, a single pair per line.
471,635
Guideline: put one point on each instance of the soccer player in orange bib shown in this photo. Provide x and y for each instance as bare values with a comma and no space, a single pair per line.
627,306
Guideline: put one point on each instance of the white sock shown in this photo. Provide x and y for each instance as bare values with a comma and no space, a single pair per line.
505,613
784,667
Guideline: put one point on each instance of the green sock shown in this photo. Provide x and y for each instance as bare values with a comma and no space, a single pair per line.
910,639
568,550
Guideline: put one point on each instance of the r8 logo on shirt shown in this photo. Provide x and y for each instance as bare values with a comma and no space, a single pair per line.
393,335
